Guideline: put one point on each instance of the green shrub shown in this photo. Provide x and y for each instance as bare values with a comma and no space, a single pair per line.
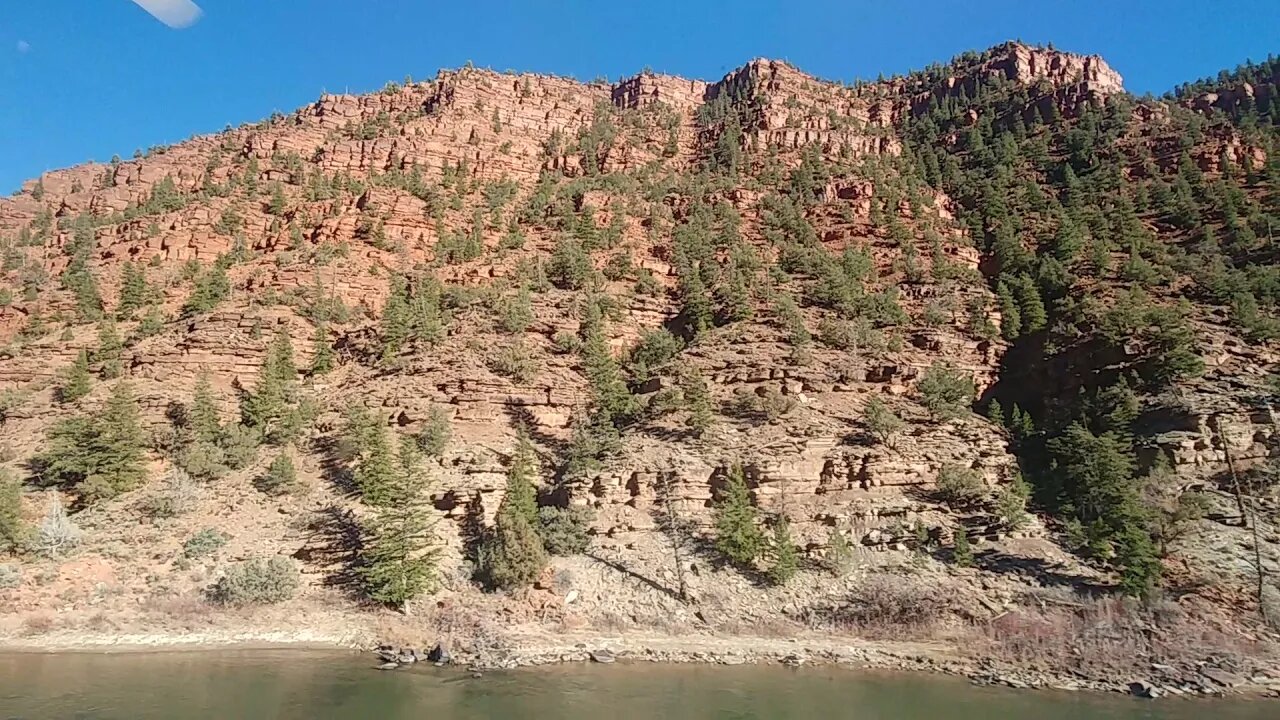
959,485
205,542
258,581
945,391
433,438
280,478
564,530
10,576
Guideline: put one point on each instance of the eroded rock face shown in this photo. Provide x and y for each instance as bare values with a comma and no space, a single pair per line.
389,182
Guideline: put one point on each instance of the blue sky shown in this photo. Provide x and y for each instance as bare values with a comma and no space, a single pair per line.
86,79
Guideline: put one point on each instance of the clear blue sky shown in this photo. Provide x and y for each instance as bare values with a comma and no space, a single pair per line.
86,79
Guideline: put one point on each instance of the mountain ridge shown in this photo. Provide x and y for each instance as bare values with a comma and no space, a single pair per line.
671,286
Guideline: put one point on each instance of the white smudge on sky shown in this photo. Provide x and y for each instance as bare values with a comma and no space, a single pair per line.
176,14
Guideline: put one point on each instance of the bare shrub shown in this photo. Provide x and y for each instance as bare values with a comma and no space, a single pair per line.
886,606
57,533
180,495
1102,638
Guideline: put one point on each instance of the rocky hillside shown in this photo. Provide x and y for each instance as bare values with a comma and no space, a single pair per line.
898,312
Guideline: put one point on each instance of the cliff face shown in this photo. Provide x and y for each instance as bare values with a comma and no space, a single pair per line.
478,178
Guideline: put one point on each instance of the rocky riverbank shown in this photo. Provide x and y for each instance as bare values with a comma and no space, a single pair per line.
1214,677
1211,679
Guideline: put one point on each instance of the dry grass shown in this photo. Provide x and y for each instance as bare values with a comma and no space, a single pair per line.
886,607
1103,638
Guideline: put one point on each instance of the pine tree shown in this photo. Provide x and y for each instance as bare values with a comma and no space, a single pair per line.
134,292
433,438
211,288
786,558
738,535
512,556
522,495
281,476
1030,306
697,400
322,358
1010,315
276,389
396,320
995,412
517,313
376,474
13,531
278,202
1021,425
151,324
110,350
608,387
696,301
202,417
400,552
110,447
75,380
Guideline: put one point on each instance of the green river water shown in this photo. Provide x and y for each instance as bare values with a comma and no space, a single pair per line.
314,685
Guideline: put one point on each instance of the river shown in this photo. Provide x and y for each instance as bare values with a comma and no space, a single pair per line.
314,685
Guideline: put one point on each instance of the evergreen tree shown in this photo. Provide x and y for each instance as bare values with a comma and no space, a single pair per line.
697,400
322,358
202,417
522,495
151,324
75,380
609,389
278,202
134,292
1030,306
435,433
512,555
267,407
211,288
400,552
995,412
882,422
786,560
738,535
281,476
945,391
695,299
962,553
110,350
396,320
516,314
375,476
103,455
1021,425
1010,314
13,531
